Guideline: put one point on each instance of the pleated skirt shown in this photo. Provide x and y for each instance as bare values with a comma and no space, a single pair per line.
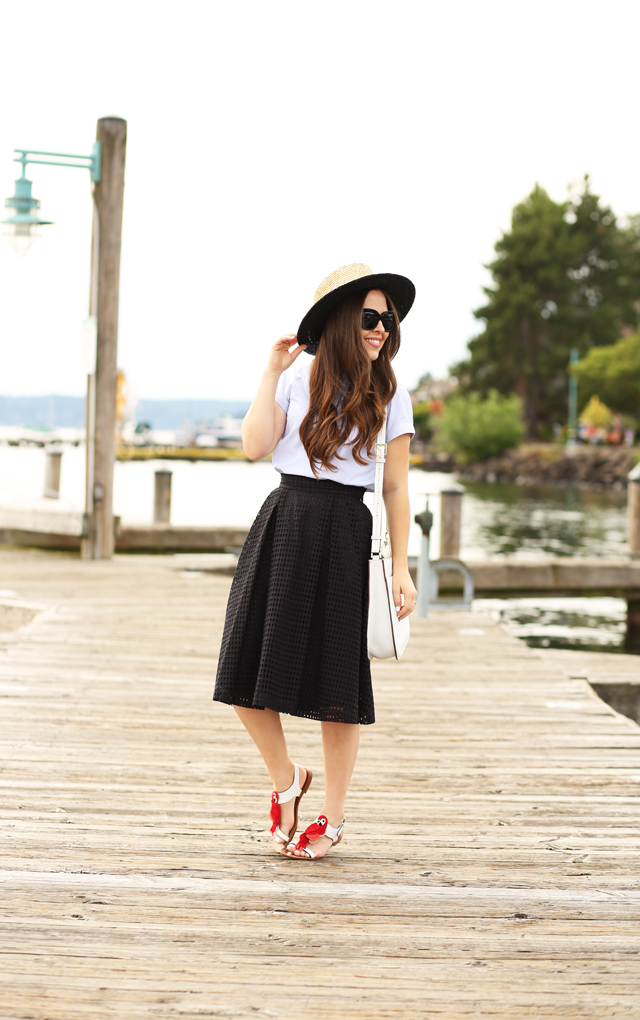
295,633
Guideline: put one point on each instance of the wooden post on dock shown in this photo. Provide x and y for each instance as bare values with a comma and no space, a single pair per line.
108,199
450,519
633,512
162,498
52,464
632,637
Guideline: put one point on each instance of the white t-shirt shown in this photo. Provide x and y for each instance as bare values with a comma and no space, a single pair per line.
290,456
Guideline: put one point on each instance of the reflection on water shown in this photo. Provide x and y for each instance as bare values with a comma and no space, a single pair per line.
542,520
581,624
496,519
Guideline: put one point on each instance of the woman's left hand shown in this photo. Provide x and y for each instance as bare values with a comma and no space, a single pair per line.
403,585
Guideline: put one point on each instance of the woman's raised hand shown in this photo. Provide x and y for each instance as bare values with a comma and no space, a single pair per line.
265,421
280,358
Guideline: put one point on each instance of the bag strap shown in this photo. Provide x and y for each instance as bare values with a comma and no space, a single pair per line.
380,447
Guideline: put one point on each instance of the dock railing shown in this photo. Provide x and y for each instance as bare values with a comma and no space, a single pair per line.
449,562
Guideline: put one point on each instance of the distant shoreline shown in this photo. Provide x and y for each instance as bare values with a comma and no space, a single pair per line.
55,411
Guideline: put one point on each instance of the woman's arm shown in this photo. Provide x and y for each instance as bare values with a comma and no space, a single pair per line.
265,421
396,500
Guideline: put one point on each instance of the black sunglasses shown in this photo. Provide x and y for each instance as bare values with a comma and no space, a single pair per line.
371,318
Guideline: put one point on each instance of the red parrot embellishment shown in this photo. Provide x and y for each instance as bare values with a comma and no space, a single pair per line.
275,811
312,832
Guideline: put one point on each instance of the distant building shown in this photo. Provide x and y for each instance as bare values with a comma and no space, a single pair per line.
429,388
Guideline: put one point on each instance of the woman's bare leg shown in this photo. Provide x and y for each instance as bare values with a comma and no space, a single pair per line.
340,749
265,729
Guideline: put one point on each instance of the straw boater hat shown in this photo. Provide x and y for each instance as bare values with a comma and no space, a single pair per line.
341,284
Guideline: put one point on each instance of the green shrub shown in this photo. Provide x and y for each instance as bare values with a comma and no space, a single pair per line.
613,373
423,419
472,429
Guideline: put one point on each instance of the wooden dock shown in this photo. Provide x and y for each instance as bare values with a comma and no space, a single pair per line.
491,861
127,451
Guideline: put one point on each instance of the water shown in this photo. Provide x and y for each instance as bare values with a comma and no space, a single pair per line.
498,520
532,520
215,493
584,624
529,521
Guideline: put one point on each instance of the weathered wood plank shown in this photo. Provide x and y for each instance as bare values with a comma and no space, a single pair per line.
490,865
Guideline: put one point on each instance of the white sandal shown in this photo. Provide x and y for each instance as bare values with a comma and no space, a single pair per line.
295,790
313,832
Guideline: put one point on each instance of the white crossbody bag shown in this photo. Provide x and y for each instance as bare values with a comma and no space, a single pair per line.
387,636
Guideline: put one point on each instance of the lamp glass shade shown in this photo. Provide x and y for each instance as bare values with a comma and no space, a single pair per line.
22,227
21,236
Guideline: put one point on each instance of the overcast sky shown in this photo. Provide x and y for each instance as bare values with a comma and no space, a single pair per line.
271,143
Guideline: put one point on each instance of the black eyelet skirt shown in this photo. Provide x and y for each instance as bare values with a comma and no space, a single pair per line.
295,633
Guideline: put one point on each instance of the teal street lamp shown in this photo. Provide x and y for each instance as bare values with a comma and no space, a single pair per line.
22,225
572,430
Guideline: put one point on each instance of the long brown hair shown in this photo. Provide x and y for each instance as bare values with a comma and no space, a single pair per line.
348,391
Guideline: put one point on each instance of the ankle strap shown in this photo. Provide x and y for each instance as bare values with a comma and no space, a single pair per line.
333,831
294,790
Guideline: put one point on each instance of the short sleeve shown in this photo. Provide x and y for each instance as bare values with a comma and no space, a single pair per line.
400,415
283,391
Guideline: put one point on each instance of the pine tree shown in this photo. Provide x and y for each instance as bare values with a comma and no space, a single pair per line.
566,275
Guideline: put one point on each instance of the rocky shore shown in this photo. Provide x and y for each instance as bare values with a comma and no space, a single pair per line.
585,466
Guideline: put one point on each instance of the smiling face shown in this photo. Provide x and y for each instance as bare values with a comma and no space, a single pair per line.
373,339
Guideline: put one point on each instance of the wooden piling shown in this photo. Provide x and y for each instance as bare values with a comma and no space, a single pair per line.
52,464
632,636
108,198
162,498
450,520
633,512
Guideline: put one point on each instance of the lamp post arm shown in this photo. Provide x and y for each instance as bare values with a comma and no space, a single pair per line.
92,163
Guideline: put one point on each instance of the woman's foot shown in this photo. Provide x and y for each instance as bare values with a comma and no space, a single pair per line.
284,808
317,839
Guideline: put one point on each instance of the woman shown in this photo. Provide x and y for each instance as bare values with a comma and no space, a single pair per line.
295,635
